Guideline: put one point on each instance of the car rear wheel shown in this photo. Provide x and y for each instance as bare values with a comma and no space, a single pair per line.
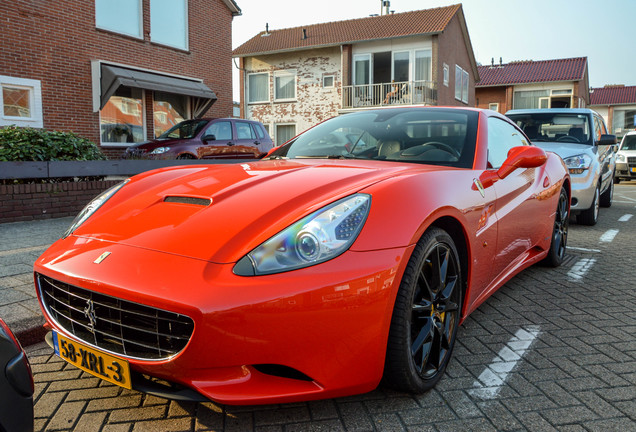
608,195
185,156
590,216
425,316
556,253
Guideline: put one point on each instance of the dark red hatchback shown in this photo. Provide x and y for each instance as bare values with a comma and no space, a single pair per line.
224,138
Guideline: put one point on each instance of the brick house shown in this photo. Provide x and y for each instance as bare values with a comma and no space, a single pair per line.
617,105
115,71
293,78
560,83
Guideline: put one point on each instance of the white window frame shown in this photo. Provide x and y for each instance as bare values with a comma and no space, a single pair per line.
446,74
286,73
139,35
247,84
494,106
186,30
333,82
34,87
362,57
410,67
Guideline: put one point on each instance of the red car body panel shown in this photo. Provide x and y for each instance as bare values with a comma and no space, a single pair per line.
329,321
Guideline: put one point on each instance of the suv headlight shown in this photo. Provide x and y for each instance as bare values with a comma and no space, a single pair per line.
319,237
92,207
621,157
577,164
160,150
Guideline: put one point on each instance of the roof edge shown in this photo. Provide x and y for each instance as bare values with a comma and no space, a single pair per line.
233,7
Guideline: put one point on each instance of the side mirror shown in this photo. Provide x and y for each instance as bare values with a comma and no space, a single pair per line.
607,140
210,137
518,157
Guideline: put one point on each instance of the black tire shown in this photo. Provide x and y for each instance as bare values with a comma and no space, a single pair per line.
608,195
559,241
426,315
617,180
185,156
590,216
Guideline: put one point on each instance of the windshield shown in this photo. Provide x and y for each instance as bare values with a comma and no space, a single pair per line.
629,142
185,130
421,135
555,127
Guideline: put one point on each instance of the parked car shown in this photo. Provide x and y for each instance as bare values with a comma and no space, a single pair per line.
580,137
221,138
626,158
314,273
16,384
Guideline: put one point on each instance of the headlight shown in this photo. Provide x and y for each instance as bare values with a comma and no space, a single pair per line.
577,164
160,150
319,237
92,206
621,157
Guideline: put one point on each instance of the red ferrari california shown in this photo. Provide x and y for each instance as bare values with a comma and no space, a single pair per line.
347,257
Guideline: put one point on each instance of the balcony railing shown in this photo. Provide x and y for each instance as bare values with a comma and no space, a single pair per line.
386,94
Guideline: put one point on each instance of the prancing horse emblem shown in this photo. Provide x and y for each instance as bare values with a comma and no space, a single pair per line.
89,313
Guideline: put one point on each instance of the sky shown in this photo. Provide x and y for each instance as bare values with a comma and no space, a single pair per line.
604,31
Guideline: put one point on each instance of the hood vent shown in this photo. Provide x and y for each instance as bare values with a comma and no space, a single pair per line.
188,200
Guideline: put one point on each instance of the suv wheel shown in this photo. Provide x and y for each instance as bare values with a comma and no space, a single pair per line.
590,216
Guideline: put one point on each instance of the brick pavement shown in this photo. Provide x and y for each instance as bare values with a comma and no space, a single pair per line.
552,350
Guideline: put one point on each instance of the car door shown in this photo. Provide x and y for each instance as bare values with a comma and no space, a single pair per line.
605,153
247,141
516,208
217,141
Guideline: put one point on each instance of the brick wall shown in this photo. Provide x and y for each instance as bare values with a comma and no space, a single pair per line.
55,42
487,95
26,202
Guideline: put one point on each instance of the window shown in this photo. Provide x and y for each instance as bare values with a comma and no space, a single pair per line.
258,87
169,23
501,138
120,16
221,130
122,118
284,85
623,121
530,99
169,109
244,131
493,106
362,69
20,102
285,132
461,84
446,74
328,81
401,66
423,65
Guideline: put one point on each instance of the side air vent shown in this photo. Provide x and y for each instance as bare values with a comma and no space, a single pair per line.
188,200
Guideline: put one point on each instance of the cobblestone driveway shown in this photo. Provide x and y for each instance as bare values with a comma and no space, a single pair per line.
554,349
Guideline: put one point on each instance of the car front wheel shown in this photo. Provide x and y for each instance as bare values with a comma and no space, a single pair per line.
556,253
590,216
608,195
426,315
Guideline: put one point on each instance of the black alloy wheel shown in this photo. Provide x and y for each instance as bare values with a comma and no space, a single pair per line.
559,241
426,315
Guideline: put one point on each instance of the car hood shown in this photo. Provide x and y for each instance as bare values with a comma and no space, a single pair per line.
218,213
629,153
566,150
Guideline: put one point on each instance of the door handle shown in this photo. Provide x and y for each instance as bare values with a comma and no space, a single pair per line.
230,143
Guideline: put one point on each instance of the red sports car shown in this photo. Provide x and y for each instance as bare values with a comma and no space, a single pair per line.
322,270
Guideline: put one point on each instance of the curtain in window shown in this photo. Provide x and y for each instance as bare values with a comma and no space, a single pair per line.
528,99
423,65
285,86
362,75
258,87
401,66
284,133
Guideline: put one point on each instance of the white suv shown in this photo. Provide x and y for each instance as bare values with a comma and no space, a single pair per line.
626,158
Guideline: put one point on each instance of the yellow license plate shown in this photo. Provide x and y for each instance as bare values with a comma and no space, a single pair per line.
105,366
633,169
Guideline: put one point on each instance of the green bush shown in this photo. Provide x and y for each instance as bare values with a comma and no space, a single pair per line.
28,144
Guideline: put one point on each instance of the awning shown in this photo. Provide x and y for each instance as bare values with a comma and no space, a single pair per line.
112,77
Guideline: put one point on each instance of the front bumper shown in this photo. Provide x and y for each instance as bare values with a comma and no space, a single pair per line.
583,188
626,171
307,334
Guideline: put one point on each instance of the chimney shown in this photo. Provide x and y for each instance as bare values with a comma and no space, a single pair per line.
304,34
500,62
492,62
266,30
384,10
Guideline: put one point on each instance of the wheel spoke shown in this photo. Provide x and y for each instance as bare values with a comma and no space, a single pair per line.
424,337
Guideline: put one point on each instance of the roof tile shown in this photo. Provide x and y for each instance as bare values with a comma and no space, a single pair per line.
613,95
429,21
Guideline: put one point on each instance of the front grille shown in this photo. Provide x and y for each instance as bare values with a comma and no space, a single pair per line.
631,160
115,325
